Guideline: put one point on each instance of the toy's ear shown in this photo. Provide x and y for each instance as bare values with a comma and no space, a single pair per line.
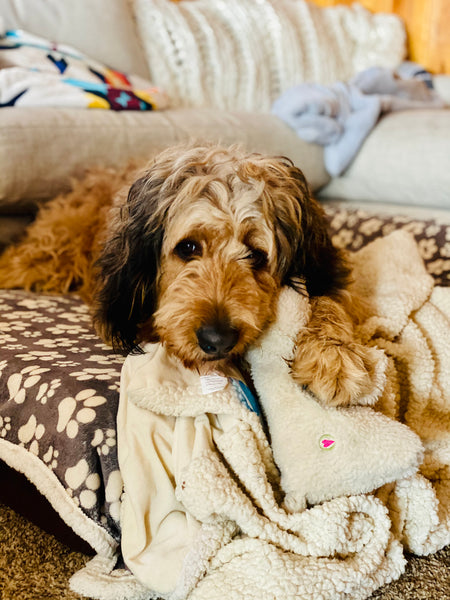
322,266
128,267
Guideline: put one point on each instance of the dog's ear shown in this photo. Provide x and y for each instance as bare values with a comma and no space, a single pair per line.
316,261
127,268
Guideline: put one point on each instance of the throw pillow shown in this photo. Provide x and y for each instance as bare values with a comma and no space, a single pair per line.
37,72
242,54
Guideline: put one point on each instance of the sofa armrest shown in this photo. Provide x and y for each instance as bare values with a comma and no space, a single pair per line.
405,160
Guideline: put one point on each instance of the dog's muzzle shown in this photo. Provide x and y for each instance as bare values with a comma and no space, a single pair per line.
217,339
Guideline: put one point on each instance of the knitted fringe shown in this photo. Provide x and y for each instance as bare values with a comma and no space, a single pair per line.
242,54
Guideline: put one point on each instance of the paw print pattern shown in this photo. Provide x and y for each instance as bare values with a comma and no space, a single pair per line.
82,485
114,387
38,302
65,329
78,315
14,347
60,385
6,339
50,457
59,342
47,390
30,434
79,410
104,441
352,229
12,326
99,359
19,383
5,426
94,373
113,494
42,355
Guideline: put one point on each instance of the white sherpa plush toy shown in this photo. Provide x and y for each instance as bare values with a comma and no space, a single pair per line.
324,452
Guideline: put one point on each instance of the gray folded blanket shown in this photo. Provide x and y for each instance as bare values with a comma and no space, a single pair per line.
341,116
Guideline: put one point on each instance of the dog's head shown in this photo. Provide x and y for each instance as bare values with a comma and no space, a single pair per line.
197,255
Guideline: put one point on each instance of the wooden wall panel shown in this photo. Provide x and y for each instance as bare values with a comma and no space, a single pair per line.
427,24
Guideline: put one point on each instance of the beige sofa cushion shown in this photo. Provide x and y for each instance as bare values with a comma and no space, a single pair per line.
40,148
442,86
102,29
405,160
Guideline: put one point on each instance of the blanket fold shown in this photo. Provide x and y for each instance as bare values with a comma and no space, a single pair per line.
411,322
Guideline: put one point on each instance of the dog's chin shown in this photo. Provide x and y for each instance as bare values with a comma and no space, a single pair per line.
203,363
208,363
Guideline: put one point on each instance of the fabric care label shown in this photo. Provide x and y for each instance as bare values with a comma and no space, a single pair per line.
213,383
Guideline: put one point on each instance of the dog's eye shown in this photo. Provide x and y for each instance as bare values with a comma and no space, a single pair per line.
258,259
188,249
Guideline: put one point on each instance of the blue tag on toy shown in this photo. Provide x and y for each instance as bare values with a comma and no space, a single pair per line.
245,396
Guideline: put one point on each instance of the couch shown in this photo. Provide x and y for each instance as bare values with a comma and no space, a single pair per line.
51,361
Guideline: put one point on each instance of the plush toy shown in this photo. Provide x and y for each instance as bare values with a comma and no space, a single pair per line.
324,452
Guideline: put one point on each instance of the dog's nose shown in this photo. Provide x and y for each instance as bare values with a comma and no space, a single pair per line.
217,339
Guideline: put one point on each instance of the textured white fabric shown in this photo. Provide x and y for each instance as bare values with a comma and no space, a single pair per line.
210,461
242,54
157,531
182,455
324,452
411,323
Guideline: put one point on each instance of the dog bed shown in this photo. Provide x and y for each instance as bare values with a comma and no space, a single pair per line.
59,387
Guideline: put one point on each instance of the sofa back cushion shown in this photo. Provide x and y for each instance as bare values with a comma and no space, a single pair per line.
42,148
102,29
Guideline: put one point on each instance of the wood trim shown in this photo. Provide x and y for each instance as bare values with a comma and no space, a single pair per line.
427,24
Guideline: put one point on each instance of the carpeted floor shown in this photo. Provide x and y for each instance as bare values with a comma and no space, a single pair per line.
35,566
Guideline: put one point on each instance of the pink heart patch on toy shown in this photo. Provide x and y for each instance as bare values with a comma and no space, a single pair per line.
326,442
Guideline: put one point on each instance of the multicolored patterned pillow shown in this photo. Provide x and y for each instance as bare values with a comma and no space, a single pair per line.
36,72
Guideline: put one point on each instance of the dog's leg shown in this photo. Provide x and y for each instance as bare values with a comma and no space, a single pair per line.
329,360
59,248
55,254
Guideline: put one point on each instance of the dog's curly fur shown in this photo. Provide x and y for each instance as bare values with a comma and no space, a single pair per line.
195,256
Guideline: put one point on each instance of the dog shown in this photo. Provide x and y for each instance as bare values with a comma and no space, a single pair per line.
194,254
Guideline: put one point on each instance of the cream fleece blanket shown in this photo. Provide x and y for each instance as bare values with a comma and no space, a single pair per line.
202,512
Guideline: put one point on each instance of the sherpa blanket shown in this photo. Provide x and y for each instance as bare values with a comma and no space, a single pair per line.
203,509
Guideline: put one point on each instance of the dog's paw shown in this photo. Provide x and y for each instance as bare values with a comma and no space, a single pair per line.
337,373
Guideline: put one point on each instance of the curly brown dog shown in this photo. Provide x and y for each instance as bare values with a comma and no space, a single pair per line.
194,255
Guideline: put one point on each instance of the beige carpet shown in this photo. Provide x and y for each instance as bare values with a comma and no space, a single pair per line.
35,566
